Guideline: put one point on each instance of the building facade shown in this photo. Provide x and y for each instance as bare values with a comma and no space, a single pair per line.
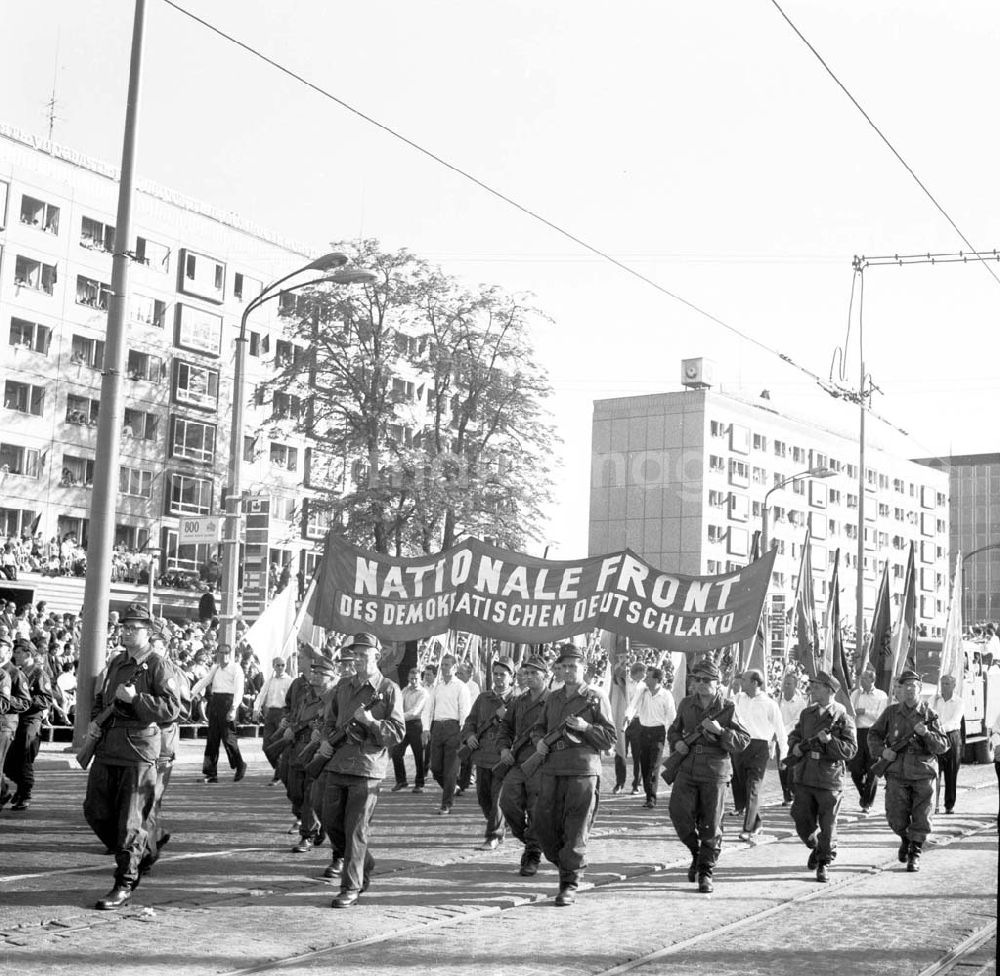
681,478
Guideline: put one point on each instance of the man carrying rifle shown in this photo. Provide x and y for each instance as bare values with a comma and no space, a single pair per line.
481,734
823,740
704,734
137,696
908,737
575,727
365,719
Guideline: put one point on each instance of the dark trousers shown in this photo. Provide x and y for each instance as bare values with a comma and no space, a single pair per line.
749,767
908,807
518,796
117,805
949,763
651,739
815,814
621,772
784,778
348,805
444,758
464,778
564,813
865,781
696,810
19,765
221,731
154,819
412,738
272,719
632,743
6,738
304,809
488,786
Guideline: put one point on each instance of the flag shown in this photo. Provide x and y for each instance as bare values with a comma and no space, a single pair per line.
904,637
752,653
804,613
834,656
878,655
952,656
268,633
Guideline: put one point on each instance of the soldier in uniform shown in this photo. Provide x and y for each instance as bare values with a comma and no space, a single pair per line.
20,763
481,734
575,727
908,735
141,695
14,699
367,712
707,732
520,792
823,740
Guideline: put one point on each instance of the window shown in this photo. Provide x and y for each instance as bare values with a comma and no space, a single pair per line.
799,487
134,537
144,366
716,533
833,496
196,385
403,391
15,521
716,429
147,310
37,213
189,496
87,352
716,499
284,508
140,425
249,448
757,509
852,471
286,407
15,459
739,473
713,567
77,472
193,440
883,510
81,410
199,330
29,273
92,293
30,335
135,481
23,397
4,193
759,442
260,344
316,520
202,276
716,463
852,500
292,303
97,235
245,288
289,354
942,499
154,256
850,530
899,486
799,455
284,456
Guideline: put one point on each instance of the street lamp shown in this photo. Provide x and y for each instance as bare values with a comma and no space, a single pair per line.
334,261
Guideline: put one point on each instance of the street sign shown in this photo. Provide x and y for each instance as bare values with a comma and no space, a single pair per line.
196,531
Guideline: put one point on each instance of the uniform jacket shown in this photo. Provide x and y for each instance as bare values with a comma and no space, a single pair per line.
366,753
40,692
296,690
19,697
486,705
133,737
823,766
521,715
168,730
708,761
919,759
582,757
309,715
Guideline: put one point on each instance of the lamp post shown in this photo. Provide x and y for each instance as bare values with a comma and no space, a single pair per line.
334,261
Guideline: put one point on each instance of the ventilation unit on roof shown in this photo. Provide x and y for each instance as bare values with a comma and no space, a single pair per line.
697,374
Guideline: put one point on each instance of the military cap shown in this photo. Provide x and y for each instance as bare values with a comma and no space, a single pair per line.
706,668
536,663
138,613
503,662
323,664
908,675
362,642
822,678
569,652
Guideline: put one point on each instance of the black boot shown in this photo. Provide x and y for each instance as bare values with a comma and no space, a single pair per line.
904,850
913,855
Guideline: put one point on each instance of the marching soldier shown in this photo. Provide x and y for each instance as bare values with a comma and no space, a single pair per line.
14,699
520,792
908,736
824,738
575,727
20,762
706,732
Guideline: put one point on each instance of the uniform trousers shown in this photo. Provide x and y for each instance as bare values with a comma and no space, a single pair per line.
412,738
564,812
518,797
814,811
116,806
908,806
272,719
19,765
749,767
784,778
651,740
348,805
860,766
6,738
949,764
154,821
696,810
221,731
488,785
444,758
303,808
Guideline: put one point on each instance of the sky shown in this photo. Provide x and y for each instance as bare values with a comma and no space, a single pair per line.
703,145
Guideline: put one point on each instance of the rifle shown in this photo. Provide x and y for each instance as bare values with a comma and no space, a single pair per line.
879,767
276,746
807,745
89,746
353,731
463,750
672,764
501,768
531,764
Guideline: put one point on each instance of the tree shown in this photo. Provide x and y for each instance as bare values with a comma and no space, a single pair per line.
424,405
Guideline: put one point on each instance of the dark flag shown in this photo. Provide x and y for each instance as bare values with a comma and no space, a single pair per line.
834,655
904,638
879,655
806,627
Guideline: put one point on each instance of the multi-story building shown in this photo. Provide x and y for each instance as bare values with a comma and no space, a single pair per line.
194,270
681,478
974,486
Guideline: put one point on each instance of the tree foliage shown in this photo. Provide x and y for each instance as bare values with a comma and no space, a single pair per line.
424,406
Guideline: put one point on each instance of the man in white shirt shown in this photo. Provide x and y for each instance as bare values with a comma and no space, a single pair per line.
790,704
951,711
654,707
415,697
759,714
270,704
445,713
466,769
226,679
869,703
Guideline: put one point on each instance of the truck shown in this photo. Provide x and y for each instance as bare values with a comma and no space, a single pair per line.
980,690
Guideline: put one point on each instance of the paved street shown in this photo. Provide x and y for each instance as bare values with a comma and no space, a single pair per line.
228,897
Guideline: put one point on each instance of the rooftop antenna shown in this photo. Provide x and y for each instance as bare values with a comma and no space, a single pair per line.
50,105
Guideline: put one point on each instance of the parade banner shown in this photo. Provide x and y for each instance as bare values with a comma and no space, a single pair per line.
511,596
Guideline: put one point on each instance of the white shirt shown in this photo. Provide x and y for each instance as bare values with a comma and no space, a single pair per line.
272,694
652,710
414,702
950,712
761,717
448,700
874,703
791,708
224,681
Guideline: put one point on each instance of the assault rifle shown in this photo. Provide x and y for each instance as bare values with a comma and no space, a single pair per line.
531,764
501,768
807,745
277,745
89,746
353,731
879,767
672,764
464,750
